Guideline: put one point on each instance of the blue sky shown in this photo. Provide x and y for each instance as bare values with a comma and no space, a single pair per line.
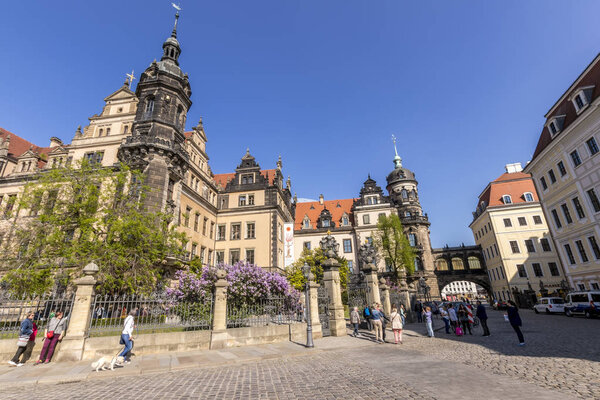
464,85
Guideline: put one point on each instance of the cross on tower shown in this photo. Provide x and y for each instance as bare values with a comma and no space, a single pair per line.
131,78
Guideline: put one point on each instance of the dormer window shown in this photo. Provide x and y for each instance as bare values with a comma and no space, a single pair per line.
507,199
247,179
528,196
582,98
306,223
345,220
372,200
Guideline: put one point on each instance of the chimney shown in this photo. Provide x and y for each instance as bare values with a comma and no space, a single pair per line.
512,168
321,199
55,142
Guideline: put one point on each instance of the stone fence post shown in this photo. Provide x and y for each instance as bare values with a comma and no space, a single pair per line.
314,309
73,343
218,338
372,285
385,292
331,280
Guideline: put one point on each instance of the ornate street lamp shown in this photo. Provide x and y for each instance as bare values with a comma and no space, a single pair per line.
308,276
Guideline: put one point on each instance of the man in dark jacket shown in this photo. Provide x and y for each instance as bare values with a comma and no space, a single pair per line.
419,311
482,315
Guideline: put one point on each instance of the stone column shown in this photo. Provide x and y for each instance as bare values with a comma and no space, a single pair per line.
372,285
314,310
331,280
385,293
218,338
73,343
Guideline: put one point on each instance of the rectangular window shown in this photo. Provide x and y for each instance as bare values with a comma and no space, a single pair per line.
594,245
250,230
485,229
595,286
204,225
514,246
202,254
220,257
530,246
556,219
306,245
570,255
250,256
212,229
347,246
553,269
496,249
543,183
537,269
280,232
578,208
194,248
242,200
412,239
522,271
494,274
250,199
575,158
507,223
351,267
209,259
196,221
522,221
366,219
581,286
566,213
581,250
235,232
552,176
186,217
594,200
592,146
545,244
234,256
561,168
501,272
221,235
537,220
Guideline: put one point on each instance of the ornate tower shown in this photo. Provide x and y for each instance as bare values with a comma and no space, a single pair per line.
156,144
402,187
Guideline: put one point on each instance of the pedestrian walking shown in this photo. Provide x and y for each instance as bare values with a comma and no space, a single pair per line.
402,313
515,320
127,335
384,321
25,332
445,318
453,317
376,319
419,311
428,321
53,334
368,318
463,318
482,315
397,325
355,320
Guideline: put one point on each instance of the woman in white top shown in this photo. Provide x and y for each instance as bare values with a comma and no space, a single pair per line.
396,319
127,334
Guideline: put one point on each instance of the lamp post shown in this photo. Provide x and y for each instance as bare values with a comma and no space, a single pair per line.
308,276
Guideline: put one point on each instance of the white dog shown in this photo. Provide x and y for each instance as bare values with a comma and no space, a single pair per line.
104,363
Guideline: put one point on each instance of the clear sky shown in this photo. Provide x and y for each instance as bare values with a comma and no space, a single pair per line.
464,85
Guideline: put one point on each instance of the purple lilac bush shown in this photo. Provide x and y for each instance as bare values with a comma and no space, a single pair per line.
248,284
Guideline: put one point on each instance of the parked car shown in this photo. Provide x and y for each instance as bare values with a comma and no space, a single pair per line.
583,303
550,305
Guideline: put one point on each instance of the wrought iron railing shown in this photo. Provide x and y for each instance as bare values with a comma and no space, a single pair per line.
158,313
14,309
270,311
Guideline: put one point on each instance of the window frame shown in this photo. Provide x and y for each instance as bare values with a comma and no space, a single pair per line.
575,158
561,168
506,197
507,223
592,146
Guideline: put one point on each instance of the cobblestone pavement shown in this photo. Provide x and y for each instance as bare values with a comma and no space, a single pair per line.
555,364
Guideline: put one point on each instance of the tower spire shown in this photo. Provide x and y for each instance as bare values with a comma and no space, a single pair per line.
174,33
397,159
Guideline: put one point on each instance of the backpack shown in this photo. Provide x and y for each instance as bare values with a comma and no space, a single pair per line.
459,331
367,312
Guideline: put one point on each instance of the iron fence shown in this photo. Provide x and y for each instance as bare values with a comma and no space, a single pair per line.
158,313
269,311
14,309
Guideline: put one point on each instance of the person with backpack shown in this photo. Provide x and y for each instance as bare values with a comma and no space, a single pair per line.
368,317
355,320
515,321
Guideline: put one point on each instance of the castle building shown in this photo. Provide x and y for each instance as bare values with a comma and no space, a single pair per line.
565,168
510,226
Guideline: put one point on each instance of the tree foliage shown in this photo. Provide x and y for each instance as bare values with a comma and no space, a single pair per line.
78,214
314,258
392,243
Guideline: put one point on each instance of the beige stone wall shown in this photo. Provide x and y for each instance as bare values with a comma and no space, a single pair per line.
301,237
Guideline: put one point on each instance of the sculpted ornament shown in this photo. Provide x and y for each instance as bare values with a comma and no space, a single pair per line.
367,255
329,246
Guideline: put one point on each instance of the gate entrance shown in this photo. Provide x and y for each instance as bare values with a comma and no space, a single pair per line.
324,312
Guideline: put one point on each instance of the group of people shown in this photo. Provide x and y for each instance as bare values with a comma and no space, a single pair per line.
53,333
377,321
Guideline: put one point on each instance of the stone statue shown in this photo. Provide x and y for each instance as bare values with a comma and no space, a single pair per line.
367,255
329,246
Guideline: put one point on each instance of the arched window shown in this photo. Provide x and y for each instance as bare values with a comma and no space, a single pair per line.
457,264
474,263
418,264
149,105
404,194
306,223
441,264
507,199
345,220
528,196
100,132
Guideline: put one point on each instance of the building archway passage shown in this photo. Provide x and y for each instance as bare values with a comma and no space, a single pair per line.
458,290
463,263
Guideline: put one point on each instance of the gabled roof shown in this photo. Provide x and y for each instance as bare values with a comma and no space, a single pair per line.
514,184
223,179
19,146
313,209
122,93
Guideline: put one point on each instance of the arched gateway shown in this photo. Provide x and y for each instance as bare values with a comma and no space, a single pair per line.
463,263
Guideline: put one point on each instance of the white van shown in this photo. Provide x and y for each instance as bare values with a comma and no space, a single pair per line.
583,303
550,305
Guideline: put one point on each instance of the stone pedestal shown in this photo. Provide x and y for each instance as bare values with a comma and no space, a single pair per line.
372,285
314,310
331,280
73,343
218,338
385,294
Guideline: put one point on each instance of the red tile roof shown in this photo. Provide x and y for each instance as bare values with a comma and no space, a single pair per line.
514,184
18,145
223,179
313,209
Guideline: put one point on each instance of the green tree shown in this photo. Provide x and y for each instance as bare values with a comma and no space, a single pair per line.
314,258
392,243
71,216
